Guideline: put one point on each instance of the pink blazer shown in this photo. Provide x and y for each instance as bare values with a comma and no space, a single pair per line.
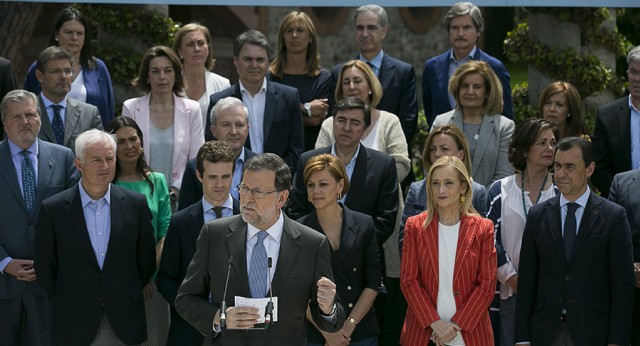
474,279
188,135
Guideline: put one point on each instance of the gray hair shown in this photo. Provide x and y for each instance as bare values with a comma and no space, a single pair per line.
461,9
52,53
18,95
251,37
227,103
380,12
274,163
634,55
90,138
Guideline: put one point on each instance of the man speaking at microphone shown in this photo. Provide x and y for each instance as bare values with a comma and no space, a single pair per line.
239,247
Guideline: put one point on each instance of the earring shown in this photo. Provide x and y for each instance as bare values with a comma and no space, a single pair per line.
339,195
369,92
462,198
568,115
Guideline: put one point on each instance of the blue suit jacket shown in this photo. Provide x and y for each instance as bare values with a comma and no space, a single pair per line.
283,132
56,172
595,284
98,84
398,80
435,84
179,248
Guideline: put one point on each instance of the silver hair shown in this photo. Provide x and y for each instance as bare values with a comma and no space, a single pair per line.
226,103
634,55
461,9
91,137
380,12
18,95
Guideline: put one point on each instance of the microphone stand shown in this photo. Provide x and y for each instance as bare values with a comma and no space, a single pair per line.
268,311
223,306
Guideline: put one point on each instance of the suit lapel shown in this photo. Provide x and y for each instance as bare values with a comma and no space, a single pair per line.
269,111
8,173
442,73
289,248
487,130
624,119
430,243
386,72
46,131
554,226
634,199
118,211
358,177
196,221
79,226
236,244
46,167
465,239
71,120
180,130
348,238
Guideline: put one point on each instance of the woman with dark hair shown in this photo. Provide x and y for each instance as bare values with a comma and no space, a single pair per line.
355,257
478,95
297,64
531,153
561,105
172,123
91,82
193,45
133,173
448,264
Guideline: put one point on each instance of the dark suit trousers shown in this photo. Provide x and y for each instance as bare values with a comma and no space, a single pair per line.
563,338
25,319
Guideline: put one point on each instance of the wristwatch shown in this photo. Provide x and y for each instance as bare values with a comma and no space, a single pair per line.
352,321
307,107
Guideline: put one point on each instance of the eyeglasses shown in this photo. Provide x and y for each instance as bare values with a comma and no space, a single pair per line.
257,194
57,72
633,73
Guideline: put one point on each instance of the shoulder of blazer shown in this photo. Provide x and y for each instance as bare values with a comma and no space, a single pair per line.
137,103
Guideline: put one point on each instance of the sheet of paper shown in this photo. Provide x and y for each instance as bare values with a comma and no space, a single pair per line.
260,304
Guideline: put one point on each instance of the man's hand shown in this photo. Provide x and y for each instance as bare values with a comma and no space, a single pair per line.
326,294
242,317
22,269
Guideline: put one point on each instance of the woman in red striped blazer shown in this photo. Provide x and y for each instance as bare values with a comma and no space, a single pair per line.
448,272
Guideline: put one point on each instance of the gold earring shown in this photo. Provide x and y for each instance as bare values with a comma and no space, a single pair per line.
462,198
339,195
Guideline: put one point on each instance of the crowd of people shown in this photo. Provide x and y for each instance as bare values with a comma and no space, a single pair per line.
283,209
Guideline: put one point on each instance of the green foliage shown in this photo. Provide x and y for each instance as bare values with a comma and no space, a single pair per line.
417,144
522,109
121,23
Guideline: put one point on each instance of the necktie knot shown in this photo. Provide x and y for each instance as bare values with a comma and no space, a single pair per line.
572,207
218,212
261,236
56,108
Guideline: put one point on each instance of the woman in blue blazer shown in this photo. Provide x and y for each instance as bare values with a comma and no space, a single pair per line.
91,79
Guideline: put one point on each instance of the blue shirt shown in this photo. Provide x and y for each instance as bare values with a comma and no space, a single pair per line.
350,166
453,65
97,216
237,175
635,136
581,201
63,111
209,214
376,62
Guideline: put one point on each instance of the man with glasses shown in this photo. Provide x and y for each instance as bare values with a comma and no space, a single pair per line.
215,168
264,254
63,118
616,138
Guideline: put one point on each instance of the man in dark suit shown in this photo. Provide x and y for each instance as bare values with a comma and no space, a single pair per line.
244,247
230,124
624,192
275,121
372,174
95,251
398,78
215,167
464,24
7,81
49,167
575,282
615,139
63,118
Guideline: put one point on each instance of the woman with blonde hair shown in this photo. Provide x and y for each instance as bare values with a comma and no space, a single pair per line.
448,273
193,45
297,64
478,95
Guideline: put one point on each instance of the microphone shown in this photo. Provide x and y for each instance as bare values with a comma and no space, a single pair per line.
268,311
223,306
